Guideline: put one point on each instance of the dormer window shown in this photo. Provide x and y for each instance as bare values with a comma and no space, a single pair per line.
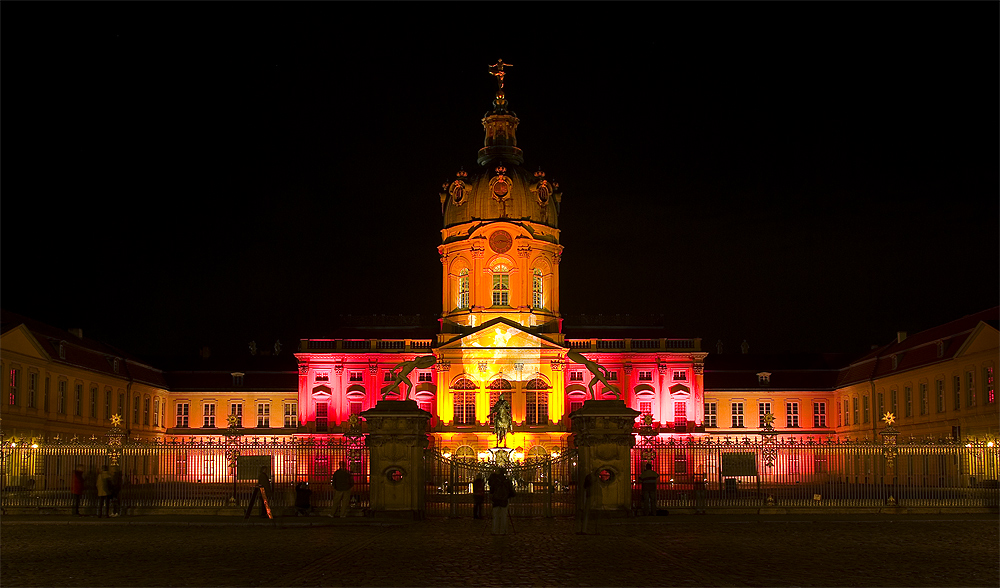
114,365
764,378
895,361
940,348
237,378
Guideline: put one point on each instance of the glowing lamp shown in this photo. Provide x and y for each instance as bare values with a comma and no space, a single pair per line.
34,445
989,444
484,455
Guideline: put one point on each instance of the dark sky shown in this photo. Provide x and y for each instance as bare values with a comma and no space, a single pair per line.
809,177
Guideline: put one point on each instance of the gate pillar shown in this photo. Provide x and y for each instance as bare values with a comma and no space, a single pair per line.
396,441
603,437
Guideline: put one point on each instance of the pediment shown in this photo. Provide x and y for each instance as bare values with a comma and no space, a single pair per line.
500,333
983,338
679,390
20,340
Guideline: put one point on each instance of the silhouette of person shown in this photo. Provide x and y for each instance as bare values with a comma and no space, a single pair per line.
104,491
478,496
76,487
342,483
648,479
501,491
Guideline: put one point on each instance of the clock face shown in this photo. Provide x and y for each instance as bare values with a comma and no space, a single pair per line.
500,241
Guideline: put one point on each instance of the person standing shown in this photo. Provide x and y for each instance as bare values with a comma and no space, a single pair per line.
648,479
501,491
343,481
478,496
76,487
104,492
585,498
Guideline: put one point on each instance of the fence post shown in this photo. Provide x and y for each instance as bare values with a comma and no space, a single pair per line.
452,507
550,489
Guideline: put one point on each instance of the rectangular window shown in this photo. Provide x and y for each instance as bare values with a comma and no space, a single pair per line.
576,376
387,376
819,462
501,290
45,396
32,389
819,415
840,416
989,385
536,407
156,411
355,407
135,411
956,384
680,376
612,376
12,390
737,408
356,377
426,405
424,377
237,378
208,415
121,404
145,411
163,412
263,415
854,406
463,289
866,413
792,414
646,376
93,403
680,415
970,389
322,424
881,406
711,414
107,405
236,410
940,395
762,409
924,401
847,414
908,401
465,407
893,402
78,400
182,415
645,407
291,417
575,405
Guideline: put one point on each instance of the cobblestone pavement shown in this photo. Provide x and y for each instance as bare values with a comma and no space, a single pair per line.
803,550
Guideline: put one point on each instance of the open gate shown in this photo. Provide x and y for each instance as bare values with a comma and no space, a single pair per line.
545,486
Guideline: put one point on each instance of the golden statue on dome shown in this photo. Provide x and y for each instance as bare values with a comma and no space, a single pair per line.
497,70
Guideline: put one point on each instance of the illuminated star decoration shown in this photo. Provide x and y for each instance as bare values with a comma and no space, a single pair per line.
232,420
116,419
768,419
889,418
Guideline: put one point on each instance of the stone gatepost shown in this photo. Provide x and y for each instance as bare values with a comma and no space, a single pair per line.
396,441
602,434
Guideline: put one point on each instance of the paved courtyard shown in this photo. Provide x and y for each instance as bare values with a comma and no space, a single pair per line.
802,550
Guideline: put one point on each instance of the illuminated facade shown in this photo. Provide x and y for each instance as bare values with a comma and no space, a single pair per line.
501,332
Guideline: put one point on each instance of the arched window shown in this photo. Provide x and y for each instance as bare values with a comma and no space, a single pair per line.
537,452
497,387
465,401
465,452
536,289
536,402
501,285
463,288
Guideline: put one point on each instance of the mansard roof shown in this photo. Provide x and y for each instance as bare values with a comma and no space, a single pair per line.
798,371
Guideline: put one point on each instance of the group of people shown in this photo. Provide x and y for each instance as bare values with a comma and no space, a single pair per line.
108,487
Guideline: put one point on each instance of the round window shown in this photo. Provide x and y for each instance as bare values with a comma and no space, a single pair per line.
606,475
394,475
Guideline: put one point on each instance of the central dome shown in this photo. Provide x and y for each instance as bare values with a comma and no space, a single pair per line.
501,189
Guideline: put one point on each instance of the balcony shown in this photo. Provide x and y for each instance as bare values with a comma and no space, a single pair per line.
634,344
332,345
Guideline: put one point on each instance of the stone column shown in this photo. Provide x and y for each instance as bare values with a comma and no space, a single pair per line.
602,434
396,441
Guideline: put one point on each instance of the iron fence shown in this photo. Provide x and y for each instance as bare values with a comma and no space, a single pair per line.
756,472
177,473
545,486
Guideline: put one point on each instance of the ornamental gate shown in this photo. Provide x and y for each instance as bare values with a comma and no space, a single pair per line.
545,486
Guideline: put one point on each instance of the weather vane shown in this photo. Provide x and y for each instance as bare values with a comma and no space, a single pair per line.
497,70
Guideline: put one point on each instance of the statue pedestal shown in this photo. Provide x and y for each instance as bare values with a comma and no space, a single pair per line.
396,441
602,434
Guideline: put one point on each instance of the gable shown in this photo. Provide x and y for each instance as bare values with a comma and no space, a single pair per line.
498,334
19,340
983,338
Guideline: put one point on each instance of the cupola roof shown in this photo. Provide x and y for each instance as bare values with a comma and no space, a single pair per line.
501,188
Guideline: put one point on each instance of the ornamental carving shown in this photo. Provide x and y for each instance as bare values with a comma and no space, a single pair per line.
303,369
500,241
542,189
699,368
459,190
338,369
443,366
523,250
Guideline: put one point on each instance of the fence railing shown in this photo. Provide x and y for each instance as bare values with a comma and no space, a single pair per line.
182,474
754,473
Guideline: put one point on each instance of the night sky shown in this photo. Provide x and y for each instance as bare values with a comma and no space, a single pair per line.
808,177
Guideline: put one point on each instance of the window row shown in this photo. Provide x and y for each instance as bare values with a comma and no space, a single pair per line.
738,414
209,413
500,288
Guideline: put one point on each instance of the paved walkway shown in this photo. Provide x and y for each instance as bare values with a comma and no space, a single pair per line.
780,550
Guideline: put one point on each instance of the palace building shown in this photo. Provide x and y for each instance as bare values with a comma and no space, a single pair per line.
501,333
